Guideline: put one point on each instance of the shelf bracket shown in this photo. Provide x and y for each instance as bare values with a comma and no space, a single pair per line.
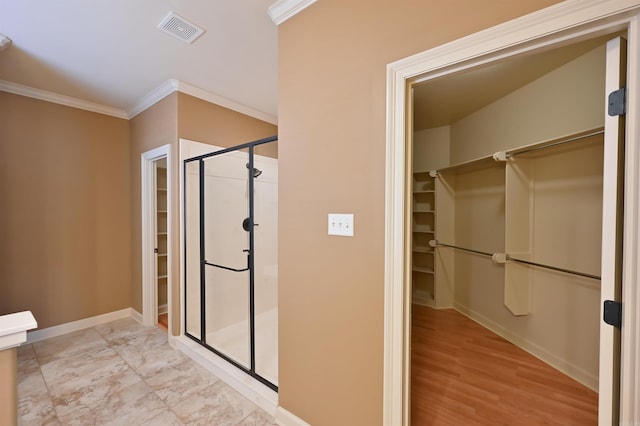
500,156
499,257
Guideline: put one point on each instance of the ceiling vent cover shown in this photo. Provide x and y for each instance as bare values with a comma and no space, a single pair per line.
180,28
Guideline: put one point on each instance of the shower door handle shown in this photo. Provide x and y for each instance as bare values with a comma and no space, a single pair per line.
246,224
225,267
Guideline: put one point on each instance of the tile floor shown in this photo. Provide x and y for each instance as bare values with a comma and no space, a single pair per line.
121,373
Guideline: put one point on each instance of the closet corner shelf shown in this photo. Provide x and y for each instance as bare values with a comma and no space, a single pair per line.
423,270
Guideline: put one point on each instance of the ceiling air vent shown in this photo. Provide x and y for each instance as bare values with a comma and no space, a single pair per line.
180,28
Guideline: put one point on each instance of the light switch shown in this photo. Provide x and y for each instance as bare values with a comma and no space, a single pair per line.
341,224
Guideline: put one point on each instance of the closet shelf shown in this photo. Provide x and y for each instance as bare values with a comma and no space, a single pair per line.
550,143
425,191
161,189
162,211
162,233
423,211
160,277
421,231
162,254
498,158
423,270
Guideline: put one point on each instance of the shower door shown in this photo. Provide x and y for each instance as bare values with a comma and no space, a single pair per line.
230,260
227,254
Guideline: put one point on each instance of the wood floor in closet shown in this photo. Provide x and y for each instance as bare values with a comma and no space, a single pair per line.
463,374
163,321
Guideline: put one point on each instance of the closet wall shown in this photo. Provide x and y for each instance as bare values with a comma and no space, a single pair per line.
544,207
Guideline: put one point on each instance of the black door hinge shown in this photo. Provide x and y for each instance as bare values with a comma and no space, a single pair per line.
617,102
612,313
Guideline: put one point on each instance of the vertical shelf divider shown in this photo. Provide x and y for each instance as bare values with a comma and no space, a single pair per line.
445,230
519,204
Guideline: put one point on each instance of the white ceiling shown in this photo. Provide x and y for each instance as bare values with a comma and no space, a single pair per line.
110,52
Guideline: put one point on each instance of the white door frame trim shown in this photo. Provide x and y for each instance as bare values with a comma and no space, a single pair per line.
564,21
149,281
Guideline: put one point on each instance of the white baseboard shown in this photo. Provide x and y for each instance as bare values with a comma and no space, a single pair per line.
69,327
137,316
578,374
249,387
286,418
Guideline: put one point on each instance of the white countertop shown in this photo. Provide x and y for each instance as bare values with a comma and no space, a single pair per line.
13,329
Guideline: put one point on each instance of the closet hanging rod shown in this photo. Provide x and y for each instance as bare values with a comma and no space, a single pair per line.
554,268
510,154
435,243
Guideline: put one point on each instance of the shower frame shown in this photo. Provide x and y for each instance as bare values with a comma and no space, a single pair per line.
202,340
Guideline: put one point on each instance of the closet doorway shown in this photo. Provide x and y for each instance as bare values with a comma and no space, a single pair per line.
554,27
156,238
161,246
507,238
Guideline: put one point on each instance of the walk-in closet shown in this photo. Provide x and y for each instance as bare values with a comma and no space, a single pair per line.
506,240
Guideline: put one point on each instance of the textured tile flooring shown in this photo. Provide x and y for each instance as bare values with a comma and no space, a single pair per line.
121,373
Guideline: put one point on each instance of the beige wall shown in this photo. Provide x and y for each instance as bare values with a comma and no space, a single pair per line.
332,159
65,230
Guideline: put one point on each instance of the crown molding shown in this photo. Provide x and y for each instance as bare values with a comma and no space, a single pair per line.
150,99
213,98
282,10
153,97
173,85
18,89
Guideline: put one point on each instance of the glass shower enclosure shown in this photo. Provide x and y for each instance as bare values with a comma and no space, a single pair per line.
231,264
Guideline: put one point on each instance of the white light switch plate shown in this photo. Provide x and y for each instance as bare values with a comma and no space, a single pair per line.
341,224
